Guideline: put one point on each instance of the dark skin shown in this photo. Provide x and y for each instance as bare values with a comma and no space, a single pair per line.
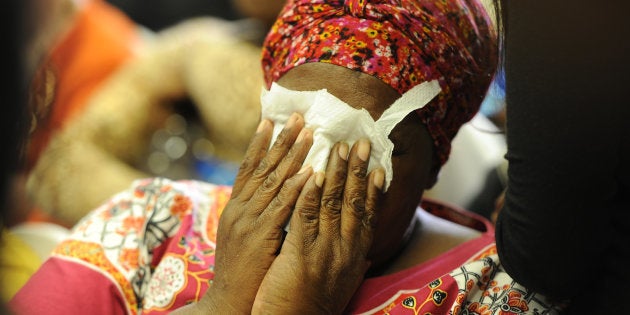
335,236
413,164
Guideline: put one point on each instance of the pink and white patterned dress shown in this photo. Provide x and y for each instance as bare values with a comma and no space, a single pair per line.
150,250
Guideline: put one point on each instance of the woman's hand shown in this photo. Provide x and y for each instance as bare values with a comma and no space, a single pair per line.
323,259
251,227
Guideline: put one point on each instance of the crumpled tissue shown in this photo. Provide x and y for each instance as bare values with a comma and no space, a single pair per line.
332,121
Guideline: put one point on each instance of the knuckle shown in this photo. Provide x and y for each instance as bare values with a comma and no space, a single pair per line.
359,170
369,220
230,220
246,164
288,191
308,213
291,154
331,203
278,201
310,200
288,185
262,167
282,139
356,203
291,184
271,182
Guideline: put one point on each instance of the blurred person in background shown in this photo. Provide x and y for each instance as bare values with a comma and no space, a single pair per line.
135,125
23,25
95,101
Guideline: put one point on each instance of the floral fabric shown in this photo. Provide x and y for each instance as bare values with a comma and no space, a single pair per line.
403,43
150,250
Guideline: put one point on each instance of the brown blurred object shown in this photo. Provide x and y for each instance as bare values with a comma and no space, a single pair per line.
201,59
497,207
265,11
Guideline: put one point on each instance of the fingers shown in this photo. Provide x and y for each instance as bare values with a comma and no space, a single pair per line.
355,190
305,219
262,168
288,166
333,189
256,150
280,207
376,180
350,198
338,208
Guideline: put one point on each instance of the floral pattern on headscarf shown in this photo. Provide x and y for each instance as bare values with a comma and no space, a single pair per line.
403,43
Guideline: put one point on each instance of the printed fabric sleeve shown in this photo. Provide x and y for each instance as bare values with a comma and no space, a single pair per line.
148,250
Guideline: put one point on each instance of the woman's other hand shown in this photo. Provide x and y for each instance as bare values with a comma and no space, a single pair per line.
251,227
323,259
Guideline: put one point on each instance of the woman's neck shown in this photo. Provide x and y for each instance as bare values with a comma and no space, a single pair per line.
429,237
406,239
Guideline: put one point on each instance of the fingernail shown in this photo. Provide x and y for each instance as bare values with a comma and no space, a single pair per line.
379,178
292,120
304,169
364,150
343,151
319,179
303,133
263,125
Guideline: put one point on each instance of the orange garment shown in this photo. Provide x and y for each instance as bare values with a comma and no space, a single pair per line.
99,41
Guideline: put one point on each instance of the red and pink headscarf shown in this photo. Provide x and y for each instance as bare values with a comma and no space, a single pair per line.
402,42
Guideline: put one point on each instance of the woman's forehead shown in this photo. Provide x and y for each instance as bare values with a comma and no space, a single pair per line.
356,89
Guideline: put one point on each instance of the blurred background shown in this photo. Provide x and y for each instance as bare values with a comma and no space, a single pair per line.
159,14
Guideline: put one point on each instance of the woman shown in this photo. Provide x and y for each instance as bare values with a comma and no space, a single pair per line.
152,248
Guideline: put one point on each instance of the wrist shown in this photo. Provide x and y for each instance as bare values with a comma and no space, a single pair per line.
216,301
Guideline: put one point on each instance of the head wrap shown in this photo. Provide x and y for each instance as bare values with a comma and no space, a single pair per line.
402,42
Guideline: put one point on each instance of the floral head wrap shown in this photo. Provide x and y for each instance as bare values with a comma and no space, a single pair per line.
402,42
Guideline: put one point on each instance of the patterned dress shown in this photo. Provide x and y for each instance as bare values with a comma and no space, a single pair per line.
150,250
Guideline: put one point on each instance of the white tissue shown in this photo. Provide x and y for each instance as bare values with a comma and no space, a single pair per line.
332,121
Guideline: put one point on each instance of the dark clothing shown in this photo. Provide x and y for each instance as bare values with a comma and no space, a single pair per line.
565,228
160,14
